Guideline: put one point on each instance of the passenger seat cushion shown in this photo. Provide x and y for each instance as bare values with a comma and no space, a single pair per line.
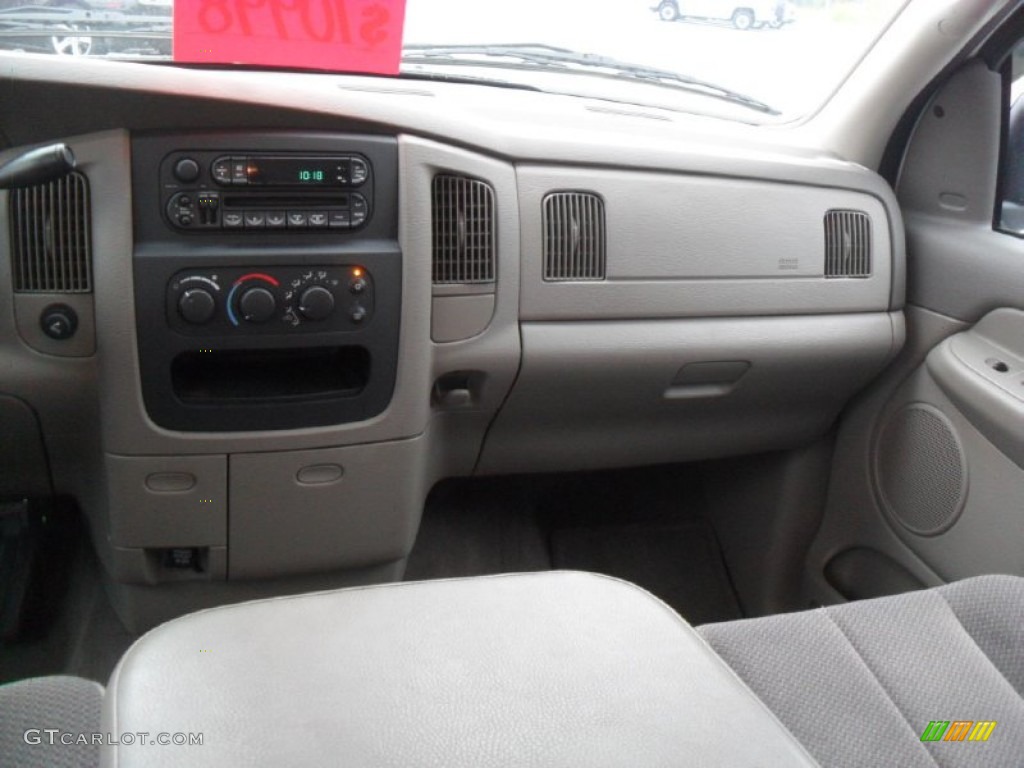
70,705
858,683
991,609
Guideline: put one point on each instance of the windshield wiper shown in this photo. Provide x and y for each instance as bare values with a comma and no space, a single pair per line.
540,56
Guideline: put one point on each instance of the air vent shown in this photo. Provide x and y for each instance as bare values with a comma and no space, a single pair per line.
50,237
847,244
574,236
463,222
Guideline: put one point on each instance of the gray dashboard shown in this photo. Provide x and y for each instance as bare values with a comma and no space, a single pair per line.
735,294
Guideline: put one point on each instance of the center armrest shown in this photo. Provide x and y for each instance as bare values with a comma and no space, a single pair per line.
558,668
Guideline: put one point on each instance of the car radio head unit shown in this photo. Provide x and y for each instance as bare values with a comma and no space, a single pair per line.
208,191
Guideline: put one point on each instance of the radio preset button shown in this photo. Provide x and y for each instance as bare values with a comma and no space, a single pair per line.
317,219
359,171
255,220
276,219
359,210
220,170
316,303
257,305
296,220
239,171
339,220
233,220
197,306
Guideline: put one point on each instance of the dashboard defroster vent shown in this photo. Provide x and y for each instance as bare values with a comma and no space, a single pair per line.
847,244
574,236
50,237
464,230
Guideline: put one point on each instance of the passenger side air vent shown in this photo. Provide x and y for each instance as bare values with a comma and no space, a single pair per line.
574,236
847,244
50,237
463,222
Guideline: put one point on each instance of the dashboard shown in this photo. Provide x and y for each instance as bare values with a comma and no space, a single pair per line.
310,301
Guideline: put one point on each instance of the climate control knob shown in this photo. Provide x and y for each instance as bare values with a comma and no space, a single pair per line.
257,305
197,306
316,303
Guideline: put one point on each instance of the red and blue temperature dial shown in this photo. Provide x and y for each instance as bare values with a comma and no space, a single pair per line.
253,297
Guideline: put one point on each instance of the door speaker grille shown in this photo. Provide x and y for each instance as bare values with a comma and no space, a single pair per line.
462,217
847,244
574,236
50,237
921,470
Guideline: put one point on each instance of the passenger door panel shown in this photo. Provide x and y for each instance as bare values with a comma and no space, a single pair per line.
927,476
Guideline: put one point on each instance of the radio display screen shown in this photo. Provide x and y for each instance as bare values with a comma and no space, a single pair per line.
298,171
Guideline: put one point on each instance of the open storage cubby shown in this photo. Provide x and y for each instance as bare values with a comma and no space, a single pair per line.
232,375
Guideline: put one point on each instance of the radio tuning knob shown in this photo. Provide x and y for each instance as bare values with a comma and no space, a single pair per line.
316,303
186,170
257,305
197,305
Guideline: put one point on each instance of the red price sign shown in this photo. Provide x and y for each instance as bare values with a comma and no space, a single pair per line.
340,35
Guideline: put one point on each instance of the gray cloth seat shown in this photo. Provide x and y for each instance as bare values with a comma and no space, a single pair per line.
70,706
552,669
858,684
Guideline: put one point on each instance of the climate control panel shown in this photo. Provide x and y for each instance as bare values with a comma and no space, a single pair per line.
270,300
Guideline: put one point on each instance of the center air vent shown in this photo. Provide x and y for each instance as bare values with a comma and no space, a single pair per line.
463,223
574,236
50,237
847,244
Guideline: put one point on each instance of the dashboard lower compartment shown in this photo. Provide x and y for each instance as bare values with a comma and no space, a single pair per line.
277,375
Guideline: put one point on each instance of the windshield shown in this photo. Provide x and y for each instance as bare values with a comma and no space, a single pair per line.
752,60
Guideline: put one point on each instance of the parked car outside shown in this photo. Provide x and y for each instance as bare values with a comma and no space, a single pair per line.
85,27
744,14
124,6
159,7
